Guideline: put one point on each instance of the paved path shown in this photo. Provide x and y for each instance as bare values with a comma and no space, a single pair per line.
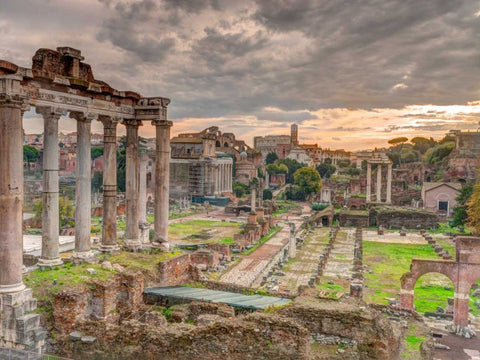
300,269
340,261
252,266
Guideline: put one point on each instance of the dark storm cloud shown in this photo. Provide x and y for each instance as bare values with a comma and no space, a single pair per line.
192,6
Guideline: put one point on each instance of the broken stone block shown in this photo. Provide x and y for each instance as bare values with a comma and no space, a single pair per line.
91,271
75,335
88,339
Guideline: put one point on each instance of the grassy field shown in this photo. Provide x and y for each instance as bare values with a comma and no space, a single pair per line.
221,230
388,262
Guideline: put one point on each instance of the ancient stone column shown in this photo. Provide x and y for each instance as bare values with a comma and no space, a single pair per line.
253,193
162,182
50,209
83,197
143,224
109,225
389,184
11,185
369,182
379,183
132,232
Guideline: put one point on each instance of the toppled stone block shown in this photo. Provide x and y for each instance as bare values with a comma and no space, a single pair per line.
88,339
91,271
441,346
75,336
107,265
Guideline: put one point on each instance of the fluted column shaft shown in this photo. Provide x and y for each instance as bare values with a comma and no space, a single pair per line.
142,192
109,225
389,184
11,186
83,196
369,182
379,182
132,232
50,207
162,181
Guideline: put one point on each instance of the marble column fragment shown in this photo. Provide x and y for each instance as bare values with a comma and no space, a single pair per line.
109,224
132,232
379,183
162,182
369,182
50,197
143,224
83,188
11,185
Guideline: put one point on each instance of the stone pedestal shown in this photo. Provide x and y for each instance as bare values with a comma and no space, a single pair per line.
19,326
162,183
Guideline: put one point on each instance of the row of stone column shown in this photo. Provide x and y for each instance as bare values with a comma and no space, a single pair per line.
223,181
50,215
379,183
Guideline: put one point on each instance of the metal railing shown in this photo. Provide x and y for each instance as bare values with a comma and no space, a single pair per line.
16,354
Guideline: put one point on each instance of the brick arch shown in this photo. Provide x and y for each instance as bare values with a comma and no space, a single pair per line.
421,267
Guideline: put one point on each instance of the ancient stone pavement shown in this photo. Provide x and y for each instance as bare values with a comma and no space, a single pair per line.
299,270
340,262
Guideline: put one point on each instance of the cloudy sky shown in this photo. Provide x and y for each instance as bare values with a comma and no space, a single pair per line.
351,73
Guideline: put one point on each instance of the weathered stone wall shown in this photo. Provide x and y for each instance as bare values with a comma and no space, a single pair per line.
178,270
353,218
411,219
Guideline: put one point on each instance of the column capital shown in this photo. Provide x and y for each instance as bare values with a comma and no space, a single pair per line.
162,123
132,122
50,111
11,94
83,116
109,120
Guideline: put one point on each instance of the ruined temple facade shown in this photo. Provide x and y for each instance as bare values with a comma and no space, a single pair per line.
59,83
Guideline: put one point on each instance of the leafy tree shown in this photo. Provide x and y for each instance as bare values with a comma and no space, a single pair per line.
439,152
66,211
473,210
447,138
460,211
327,161
239,189
325,170
97,181
398,141
308,180
292,165
271,158
343,163
294,193
277,169
267,194
96,152
422,144
30,153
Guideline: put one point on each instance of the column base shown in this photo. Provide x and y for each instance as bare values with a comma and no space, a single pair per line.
20,327
109,248
144,233
165,246
84,256
133,244
10,289
42,262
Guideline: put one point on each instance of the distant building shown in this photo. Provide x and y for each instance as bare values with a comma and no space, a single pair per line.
269,144
299,154
440,196
245,170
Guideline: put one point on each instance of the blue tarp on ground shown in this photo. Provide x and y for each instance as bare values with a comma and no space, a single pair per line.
187,294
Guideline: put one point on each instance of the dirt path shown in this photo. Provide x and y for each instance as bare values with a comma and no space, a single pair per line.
340,261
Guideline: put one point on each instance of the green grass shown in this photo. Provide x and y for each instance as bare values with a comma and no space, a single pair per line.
413,340
180,230
262,240
388,262
226,241
443,228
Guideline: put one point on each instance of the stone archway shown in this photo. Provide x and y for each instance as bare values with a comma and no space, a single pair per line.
463,272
